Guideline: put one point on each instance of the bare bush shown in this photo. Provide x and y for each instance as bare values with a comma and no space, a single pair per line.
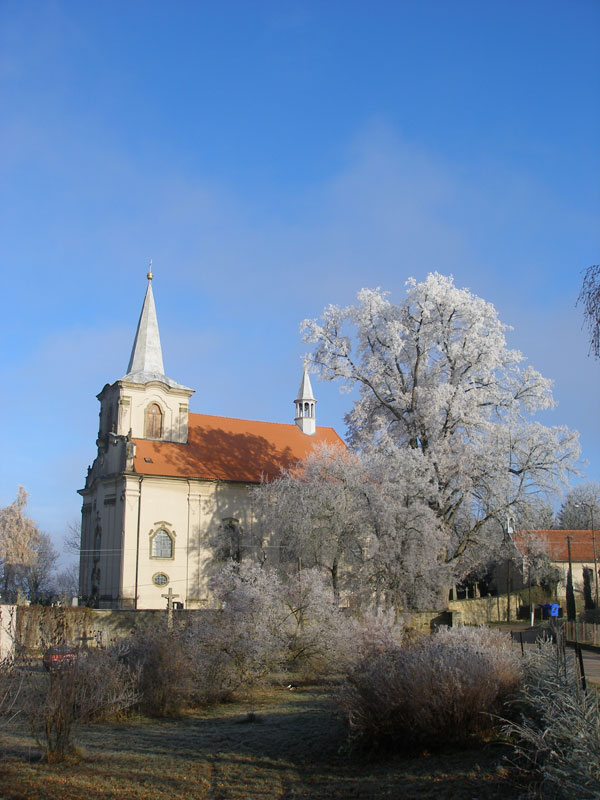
94,686
11,685
437,690
557,733
164,668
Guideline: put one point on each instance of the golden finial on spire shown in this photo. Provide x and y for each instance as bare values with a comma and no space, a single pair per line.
149,275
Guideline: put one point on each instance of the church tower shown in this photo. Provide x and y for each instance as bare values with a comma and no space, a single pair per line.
145,403
305,406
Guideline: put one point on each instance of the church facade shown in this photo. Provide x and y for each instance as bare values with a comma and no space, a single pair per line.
168,494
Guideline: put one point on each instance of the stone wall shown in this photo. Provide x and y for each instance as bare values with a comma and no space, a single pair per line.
474,611
37,626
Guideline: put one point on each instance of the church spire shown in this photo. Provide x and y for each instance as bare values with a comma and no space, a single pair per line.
146,361
305,406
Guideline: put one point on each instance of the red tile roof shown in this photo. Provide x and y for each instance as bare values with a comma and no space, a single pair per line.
582,548
226,449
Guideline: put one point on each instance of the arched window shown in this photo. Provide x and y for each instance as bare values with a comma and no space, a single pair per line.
153,421
162,544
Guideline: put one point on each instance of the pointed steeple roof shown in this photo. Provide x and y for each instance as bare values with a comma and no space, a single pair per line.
305,391
146,361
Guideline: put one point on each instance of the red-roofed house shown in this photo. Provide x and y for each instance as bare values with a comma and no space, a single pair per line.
555,544
167,484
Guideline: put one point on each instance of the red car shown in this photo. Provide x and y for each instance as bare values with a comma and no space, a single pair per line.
59,655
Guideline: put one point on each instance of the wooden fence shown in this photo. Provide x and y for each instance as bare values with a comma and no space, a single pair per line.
583,632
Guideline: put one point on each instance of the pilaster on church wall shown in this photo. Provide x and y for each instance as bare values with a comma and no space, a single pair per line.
132,488
124,415
198,554
85,555
111,537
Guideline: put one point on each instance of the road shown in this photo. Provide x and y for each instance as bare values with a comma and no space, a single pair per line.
591,658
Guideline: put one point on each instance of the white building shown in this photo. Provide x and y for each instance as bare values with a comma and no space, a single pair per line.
167,494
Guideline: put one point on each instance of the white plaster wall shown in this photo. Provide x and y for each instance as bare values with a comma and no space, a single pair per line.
8,621
577,575
193,510
174,404
123,404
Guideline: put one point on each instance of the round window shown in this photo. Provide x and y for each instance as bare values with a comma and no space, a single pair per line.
160,579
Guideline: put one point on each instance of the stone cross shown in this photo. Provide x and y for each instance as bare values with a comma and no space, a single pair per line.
170,597
85,639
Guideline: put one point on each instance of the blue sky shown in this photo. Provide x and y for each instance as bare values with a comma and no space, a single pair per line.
272,158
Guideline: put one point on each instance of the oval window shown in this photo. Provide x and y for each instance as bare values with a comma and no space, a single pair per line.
160,579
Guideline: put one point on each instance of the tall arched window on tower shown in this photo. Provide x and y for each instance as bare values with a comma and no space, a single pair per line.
154,421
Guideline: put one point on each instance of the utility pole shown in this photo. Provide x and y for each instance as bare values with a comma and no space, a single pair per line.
595,558
571,608
170,597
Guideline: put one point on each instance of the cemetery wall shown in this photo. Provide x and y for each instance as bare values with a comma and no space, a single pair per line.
36,627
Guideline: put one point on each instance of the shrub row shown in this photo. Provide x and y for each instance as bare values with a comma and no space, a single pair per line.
438,690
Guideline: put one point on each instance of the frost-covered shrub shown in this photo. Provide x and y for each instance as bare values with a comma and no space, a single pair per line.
249,632
266,624
557,732
436,690
375,632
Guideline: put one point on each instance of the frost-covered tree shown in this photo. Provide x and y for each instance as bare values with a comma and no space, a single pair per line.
364,519
581,507
534,513
439,386
316,510
19,540
589,297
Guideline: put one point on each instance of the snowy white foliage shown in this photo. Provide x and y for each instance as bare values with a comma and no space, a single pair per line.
589,297
448,404
375,632
20,541
364,519
556,734
248,635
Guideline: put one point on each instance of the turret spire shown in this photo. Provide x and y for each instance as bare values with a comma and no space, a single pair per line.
305,406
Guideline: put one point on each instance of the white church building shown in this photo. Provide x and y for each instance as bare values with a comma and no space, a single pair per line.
168,493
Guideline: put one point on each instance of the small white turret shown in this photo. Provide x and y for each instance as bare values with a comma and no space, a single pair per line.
305,406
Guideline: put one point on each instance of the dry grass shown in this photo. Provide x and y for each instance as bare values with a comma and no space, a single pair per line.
293,751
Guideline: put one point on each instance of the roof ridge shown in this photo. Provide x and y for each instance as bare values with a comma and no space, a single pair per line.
259,421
